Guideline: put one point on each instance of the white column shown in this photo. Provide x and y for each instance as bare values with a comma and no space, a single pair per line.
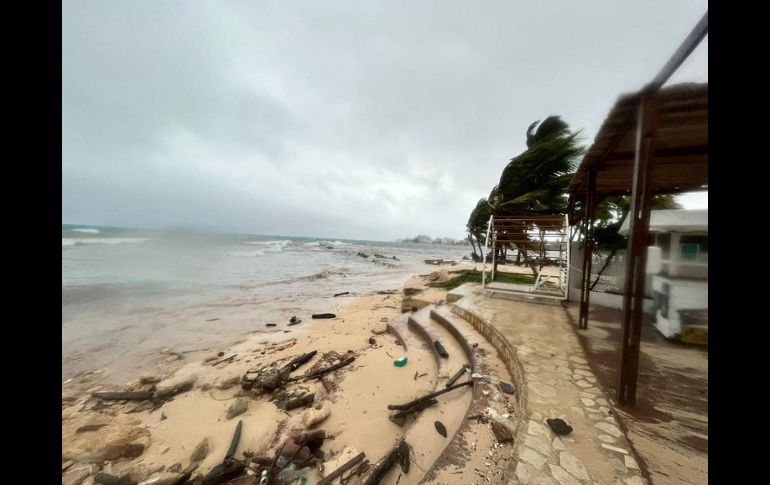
673,259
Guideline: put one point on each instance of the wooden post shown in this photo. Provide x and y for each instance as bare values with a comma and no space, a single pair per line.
588,249
639,232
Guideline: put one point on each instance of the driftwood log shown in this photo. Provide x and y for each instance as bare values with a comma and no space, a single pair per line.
121,396
399,407
302,359
339,471
383,466
320,372
400,417
234,442
297,402
457,375
223,472
107,479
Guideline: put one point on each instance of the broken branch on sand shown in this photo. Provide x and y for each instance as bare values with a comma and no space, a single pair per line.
320,372
400,417
382,467
224,360
398,407
458,374
339,471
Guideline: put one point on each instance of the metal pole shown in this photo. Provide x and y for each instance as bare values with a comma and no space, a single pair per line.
588,249
639,231
689,44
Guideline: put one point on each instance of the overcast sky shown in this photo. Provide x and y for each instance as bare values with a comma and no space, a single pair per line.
354,119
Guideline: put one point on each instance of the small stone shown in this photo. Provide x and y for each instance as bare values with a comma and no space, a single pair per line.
588,402
238,407
183,379
507,388
559,426
164,350
172,358
175,468
582,383
314,416
148,379
502,433
201,451
606,438
572,465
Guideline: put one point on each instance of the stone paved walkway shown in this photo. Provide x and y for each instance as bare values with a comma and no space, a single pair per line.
559,383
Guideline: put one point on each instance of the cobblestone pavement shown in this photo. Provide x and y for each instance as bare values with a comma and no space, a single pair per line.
559,384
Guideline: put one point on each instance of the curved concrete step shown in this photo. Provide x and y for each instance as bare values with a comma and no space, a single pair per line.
473,441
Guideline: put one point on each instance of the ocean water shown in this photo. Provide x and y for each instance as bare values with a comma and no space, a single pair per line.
127,293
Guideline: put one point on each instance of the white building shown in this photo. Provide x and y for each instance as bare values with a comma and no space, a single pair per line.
680,280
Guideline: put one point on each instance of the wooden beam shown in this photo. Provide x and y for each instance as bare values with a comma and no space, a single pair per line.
636,254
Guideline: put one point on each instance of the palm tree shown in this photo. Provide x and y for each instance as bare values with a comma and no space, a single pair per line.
535,181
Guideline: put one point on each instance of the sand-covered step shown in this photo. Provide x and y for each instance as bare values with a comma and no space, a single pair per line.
476,449
441,341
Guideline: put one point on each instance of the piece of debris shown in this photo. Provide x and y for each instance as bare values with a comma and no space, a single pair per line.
400,417
440,428
226,359
212,319
383,466
559,426
502,433
297,402
372,341
107,479
122,396
465,368
403,456
506,388
401,361
238,407
320,372
440,349
294,320
398,407
270,325
313,416
201,451
330,477
343,293
324,315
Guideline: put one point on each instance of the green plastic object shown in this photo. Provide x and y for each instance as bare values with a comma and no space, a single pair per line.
400,362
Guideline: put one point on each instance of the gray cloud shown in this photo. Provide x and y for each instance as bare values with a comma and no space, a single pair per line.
336,119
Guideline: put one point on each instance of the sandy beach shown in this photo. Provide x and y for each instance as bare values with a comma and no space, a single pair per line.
146,440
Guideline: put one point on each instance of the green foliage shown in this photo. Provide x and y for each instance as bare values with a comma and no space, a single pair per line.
611,213
475,277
